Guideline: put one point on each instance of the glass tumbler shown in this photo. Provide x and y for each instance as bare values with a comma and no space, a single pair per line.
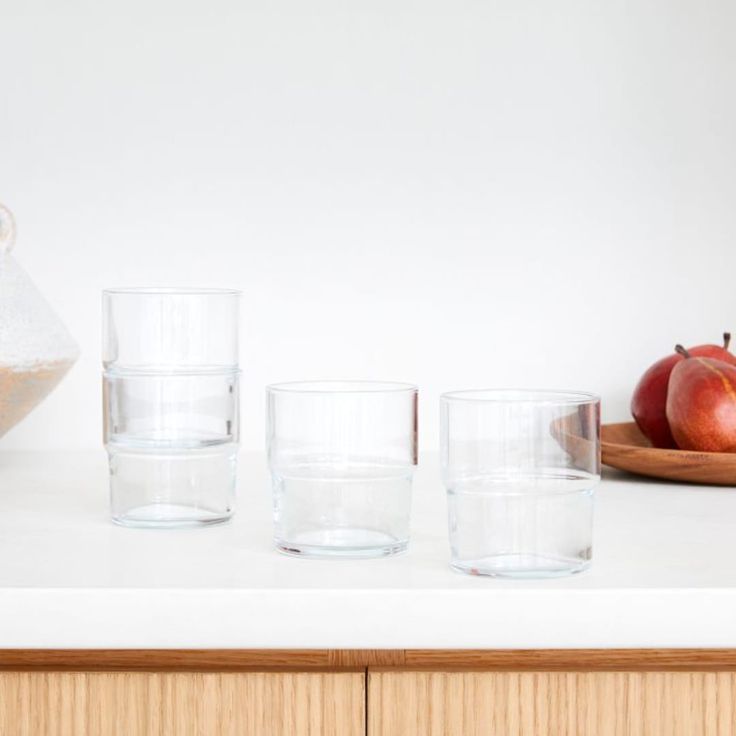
170,399
520,468
342,456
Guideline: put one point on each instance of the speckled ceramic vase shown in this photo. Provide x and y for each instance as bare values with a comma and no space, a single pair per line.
36,350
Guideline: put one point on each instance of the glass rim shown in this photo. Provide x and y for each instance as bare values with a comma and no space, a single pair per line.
340,387
170,291
548,397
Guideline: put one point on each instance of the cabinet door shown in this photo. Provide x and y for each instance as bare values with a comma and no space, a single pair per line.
181,704
551,704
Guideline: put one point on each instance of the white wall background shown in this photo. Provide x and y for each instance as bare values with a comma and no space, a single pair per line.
458,193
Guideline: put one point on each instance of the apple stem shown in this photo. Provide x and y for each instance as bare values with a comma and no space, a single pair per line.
681,351
726,340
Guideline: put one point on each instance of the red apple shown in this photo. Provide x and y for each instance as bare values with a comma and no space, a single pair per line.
649,403
701,403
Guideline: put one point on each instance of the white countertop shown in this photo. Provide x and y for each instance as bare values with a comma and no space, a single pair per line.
663,574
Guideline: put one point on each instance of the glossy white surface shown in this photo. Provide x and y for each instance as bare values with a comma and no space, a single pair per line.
663,574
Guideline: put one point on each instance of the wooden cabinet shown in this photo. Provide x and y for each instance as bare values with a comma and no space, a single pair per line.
181,704
551,704
357,692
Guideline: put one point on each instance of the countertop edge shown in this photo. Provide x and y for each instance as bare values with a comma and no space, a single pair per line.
377,619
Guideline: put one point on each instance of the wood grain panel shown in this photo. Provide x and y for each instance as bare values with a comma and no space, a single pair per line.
181,704
154,660
571,660
342,658
551,704
244,660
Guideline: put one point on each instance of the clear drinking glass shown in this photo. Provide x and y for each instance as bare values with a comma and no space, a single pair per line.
170,397
520,468
342,456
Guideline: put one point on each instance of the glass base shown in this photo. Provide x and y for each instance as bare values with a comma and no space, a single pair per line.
346,543
518,566
170,516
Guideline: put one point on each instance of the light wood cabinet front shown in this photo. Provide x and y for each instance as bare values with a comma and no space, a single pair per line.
374,692
551,703
181,704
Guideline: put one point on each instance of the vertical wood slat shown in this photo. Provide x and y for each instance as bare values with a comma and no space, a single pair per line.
181,704
427,703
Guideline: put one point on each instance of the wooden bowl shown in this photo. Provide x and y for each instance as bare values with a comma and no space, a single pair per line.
624,447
